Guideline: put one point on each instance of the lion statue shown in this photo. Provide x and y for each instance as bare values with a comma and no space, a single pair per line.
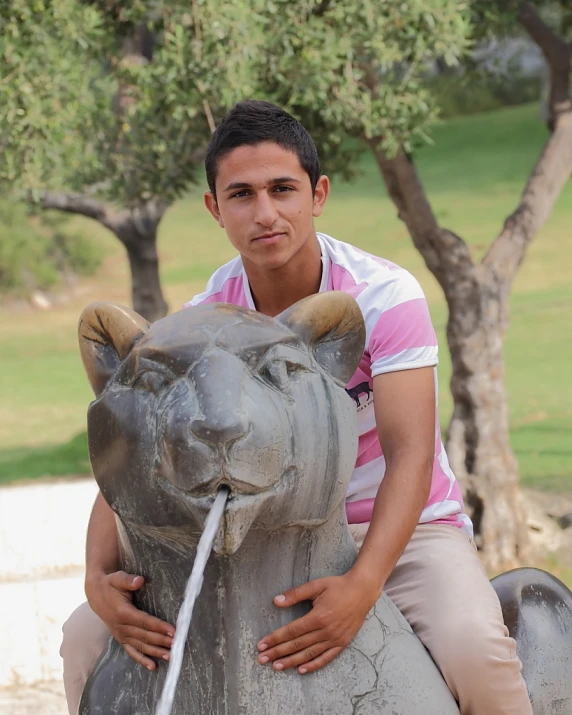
220,395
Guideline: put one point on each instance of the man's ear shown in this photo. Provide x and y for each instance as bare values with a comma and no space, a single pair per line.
321,193
106,334
332,325
212,207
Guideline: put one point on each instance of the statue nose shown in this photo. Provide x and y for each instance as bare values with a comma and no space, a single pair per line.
219,381
220,431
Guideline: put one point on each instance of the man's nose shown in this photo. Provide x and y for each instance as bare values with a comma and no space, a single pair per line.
266,213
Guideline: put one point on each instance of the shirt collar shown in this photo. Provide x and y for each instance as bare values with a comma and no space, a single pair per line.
323,282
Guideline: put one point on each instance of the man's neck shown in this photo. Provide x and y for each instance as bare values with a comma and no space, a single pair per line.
273,291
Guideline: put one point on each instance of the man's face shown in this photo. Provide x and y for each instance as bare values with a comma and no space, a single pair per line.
265,203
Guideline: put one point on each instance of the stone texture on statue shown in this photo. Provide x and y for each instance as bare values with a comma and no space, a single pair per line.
537,610
219,395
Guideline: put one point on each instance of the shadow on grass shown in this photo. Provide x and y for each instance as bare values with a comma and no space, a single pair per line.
62,460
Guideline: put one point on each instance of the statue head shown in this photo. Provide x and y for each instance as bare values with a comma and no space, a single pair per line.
220,395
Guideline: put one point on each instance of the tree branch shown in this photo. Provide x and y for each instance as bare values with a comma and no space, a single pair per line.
144,218
547,180
83,205
140,221
554,166
445,254
558,55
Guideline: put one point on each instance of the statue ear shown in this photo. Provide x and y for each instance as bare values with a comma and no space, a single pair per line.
106,333
332,325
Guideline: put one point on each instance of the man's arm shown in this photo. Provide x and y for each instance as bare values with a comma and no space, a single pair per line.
404,405
405,415
109,593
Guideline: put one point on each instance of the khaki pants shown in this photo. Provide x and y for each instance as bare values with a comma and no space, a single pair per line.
442,590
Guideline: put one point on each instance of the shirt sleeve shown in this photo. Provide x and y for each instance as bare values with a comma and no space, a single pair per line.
191,303
401,335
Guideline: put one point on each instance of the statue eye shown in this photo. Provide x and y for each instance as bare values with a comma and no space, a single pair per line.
280,372
150,381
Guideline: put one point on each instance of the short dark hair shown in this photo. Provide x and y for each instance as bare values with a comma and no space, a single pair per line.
254,121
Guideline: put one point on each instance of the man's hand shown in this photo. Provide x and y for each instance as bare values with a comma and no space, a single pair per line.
340,605
142,635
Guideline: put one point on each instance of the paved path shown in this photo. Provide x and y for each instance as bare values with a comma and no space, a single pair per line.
45,698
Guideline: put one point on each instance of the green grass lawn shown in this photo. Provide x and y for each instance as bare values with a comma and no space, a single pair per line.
474,173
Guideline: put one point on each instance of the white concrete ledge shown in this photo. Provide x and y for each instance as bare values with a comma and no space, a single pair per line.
31,621
42,547
43,526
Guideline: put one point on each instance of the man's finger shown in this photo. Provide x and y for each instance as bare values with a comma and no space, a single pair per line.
290,647
307,655
146,649
138,657
151,623
319,662
148,637
130,616
125,581
305,592
293,630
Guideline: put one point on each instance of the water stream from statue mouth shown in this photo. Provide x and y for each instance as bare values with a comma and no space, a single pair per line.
192,590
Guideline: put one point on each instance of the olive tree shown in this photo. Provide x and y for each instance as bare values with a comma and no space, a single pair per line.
109,107
359,66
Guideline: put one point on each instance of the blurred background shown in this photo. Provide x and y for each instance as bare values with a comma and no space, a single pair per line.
445,128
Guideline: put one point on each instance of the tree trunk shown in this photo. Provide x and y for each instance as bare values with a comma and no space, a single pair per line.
478,440
478,443
146,293
137,229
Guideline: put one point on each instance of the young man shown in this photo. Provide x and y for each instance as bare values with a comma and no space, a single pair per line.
404,505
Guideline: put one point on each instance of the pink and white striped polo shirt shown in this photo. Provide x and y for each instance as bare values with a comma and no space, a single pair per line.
399,336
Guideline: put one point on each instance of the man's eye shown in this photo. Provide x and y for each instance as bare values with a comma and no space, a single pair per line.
283,189
240,194
150,381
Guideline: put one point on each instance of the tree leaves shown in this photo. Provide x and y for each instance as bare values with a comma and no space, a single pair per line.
357,65
123,97
43,109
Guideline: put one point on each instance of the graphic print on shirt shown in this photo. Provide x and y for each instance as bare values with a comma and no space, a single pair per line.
356,393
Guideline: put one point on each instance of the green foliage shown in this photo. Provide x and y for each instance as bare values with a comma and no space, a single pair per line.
356,66
470,93
318,59
37,251
123,96
201,65
497,19
86,107
50,86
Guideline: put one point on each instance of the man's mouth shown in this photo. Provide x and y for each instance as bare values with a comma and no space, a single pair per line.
269,238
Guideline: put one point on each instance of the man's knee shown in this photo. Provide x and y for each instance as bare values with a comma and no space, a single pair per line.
85,636
475,642
479,662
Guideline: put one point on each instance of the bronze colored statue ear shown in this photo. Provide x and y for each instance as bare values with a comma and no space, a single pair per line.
106,334
332,324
